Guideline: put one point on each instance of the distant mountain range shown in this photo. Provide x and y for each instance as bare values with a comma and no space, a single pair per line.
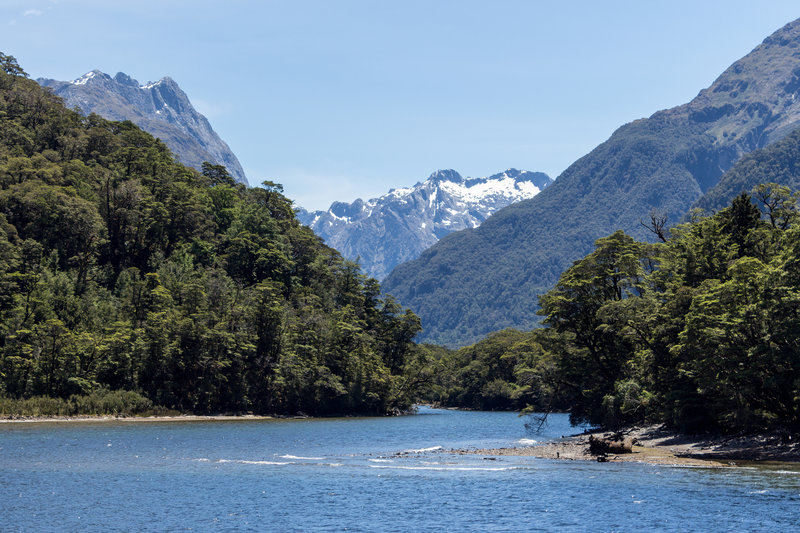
481,280
161,108
384,232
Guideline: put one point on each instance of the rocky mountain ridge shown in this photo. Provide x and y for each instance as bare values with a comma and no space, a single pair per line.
396,227
161,108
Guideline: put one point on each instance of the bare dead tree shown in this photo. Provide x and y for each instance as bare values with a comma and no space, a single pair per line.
657,224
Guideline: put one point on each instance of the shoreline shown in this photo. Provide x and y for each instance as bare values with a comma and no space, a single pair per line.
652,444
115,418
29,419
660,446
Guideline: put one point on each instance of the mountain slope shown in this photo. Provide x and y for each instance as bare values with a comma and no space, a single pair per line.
777,163
160,108
384,232
482,280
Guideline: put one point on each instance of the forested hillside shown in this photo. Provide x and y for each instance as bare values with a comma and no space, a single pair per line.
122,270
700,331
477,281
778,163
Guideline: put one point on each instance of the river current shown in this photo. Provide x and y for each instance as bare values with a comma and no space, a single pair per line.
361,474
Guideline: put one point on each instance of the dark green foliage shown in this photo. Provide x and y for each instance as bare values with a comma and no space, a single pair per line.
480,376
589,307
123,270
10,66
701,331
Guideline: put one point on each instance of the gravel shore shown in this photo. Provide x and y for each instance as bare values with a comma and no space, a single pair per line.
657,445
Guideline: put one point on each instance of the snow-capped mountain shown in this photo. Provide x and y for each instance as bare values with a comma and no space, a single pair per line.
161,108
384,232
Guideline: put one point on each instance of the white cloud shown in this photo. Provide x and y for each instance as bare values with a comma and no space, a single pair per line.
33,13
211,109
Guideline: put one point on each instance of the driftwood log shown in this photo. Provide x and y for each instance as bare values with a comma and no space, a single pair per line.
603,445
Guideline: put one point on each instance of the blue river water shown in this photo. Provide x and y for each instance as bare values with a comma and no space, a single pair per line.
361,474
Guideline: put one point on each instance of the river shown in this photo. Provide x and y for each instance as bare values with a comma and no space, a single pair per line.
360,474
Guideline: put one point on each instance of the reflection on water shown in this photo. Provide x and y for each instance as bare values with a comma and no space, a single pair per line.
361,474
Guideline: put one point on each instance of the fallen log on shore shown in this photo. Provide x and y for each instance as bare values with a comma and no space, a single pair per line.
604,445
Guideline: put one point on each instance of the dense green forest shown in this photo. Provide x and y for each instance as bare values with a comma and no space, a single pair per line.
127,278
701,330
482,376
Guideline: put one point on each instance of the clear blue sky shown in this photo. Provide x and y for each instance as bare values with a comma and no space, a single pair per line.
341,99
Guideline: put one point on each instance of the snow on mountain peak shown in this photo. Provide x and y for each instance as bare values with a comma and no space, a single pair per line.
151,84
121,77
86,77
477,190
396,227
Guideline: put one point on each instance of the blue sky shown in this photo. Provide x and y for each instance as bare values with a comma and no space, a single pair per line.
346,99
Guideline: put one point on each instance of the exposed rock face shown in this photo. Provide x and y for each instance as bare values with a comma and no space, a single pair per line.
384,232
483,280
777,163
160,108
